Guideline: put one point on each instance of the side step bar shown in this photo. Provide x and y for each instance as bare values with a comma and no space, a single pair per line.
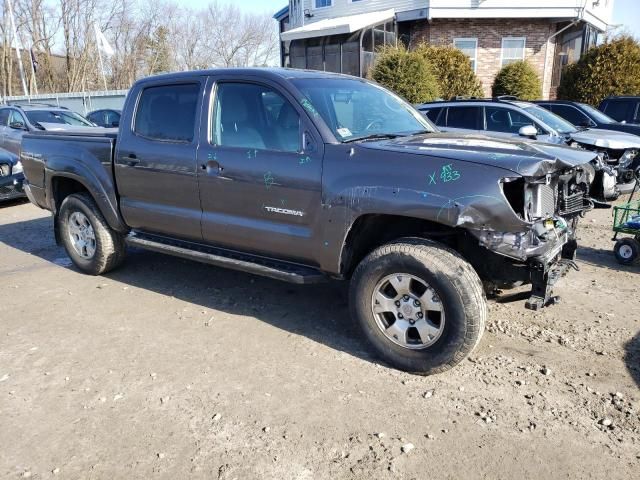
286,271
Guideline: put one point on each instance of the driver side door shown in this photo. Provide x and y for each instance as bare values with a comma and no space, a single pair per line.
260,168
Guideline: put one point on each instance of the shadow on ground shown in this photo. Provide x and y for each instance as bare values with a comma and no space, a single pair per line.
319,312
603,258
632,358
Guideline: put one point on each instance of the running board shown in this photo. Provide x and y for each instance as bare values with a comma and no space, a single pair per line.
220,257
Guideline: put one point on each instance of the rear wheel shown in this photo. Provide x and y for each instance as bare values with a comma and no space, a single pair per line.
419,304
627,251
89,241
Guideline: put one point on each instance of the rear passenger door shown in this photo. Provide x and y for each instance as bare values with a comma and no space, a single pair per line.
156,159
260,171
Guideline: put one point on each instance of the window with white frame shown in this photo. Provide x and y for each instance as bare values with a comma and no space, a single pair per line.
322,3
469,47
512,50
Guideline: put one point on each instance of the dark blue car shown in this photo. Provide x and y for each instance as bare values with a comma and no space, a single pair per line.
583,115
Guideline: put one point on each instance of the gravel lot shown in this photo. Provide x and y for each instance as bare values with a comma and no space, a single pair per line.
171,369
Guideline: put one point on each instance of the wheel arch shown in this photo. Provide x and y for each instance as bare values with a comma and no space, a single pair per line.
62,184
369,231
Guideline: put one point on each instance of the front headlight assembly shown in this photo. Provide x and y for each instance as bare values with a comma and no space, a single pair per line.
17,168
627,157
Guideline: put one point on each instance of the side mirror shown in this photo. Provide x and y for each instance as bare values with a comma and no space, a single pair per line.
528,131
17,126
115,123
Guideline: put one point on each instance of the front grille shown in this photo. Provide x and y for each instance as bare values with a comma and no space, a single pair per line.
571,204
5,169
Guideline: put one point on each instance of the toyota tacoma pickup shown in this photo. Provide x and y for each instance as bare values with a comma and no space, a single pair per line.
305,176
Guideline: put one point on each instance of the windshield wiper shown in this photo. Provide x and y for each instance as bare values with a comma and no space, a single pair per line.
373,136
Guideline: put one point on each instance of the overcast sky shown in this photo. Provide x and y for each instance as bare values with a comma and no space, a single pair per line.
626,12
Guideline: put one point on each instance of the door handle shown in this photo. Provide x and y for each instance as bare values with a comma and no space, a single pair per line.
212,167
131,160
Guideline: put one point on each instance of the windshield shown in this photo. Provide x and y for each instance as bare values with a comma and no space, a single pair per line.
597,114
552,120
56,116
356,109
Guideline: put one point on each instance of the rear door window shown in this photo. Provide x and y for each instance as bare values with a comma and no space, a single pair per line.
465,117
168,113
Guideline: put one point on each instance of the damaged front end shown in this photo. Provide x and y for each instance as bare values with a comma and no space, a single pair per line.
551,205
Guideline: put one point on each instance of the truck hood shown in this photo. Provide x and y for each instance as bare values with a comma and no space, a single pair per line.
527,158
606,139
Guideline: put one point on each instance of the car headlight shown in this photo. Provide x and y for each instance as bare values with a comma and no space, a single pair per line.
17,168
627,158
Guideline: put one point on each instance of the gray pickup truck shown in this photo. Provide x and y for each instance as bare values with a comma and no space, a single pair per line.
304,176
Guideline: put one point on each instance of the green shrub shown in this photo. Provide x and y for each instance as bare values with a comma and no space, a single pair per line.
453,71
519,79
406,73
609,69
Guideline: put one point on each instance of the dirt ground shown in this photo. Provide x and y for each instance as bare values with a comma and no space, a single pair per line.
167,368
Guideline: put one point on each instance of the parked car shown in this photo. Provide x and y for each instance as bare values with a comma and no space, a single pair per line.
107,118
509,118
304,176
622,109
583,115
11,176
16,120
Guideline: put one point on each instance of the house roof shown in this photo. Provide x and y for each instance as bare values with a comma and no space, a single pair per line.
281,13
339,25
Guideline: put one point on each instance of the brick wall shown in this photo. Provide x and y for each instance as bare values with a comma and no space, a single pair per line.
489,33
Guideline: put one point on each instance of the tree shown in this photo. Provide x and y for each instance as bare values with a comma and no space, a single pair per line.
609,69
406,73
453,71
518,79
158,56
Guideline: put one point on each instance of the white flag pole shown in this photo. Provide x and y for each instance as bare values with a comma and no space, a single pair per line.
18,51
99,47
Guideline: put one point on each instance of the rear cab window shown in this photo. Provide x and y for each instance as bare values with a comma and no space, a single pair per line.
167,113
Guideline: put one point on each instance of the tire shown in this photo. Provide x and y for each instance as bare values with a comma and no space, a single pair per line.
627,251
457,288
108,246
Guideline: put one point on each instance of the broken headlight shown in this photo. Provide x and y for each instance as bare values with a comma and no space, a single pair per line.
627,157
545,236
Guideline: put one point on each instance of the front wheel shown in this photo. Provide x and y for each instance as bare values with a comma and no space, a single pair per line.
419,304
89,241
